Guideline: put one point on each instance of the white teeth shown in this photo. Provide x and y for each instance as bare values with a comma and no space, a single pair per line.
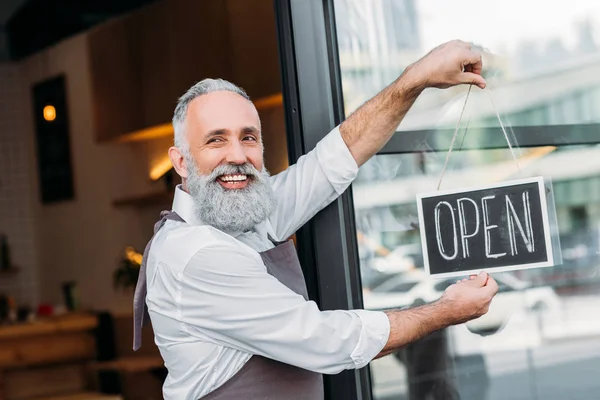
233,178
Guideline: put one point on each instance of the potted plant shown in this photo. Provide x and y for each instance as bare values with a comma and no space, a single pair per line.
126,275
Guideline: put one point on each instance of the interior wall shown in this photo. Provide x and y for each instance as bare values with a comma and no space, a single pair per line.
82,240
253,46
16,190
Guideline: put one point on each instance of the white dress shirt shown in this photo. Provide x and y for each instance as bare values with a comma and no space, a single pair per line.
213,304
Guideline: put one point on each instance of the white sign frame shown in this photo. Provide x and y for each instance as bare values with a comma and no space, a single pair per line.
545,220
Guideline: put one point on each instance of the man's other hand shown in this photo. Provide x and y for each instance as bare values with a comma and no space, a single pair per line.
469,299
447,65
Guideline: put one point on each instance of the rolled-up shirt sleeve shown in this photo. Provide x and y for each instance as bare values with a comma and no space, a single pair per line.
336,161
227,297
311,184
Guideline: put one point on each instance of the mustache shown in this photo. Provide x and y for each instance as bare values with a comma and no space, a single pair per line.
231,169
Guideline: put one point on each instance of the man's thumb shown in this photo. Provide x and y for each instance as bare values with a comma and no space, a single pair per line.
475,79
482,278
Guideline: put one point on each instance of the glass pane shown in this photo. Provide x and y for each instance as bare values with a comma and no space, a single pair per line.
542,73
541,339
540,330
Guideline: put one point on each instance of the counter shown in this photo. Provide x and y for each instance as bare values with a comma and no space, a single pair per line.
47,357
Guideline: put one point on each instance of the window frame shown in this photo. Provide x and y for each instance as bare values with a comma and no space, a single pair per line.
438,140
313,106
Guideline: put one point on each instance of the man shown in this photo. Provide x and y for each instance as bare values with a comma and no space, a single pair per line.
226,299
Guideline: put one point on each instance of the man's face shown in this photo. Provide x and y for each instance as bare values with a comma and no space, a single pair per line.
226,178
224,128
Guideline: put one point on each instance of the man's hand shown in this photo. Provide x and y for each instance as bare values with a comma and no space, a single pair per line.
447,65
369,128
466,300
469,299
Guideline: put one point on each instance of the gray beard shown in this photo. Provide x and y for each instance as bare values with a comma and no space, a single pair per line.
231,210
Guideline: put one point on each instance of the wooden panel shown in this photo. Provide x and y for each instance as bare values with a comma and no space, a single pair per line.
65,323
131,364
140,64
274,139
199,41
83,396
46,349
123,325
116,83
156,96
141,386
35,382
253,47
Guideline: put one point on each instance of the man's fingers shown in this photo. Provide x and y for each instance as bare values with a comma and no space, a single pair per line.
492,286
475,79
472,69
482,278
473,60
479,280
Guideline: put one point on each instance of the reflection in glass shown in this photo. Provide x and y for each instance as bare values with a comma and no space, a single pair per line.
541,338
541,324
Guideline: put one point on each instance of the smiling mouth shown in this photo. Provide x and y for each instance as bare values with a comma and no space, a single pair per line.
233,181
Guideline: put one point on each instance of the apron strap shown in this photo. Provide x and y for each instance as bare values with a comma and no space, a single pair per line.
275,242
140,309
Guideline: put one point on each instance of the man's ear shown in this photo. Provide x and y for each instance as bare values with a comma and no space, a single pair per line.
178,161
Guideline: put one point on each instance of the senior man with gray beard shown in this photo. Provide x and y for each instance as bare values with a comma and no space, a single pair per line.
226,298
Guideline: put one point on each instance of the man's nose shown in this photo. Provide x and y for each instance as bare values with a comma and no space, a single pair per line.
236,154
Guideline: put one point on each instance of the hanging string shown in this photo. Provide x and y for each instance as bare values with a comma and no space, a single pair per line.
464,135
462,141
454,137
503,130
489,90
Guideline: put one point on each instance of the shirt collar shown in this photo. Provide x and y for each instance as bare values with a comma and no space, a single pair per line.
183,204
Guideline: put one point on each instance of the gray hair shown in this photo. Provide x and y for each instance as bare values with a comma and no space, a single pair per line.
205,86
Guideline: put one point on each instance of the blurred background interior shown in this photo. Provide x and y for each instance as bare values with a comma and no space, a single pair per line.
87,94
87,91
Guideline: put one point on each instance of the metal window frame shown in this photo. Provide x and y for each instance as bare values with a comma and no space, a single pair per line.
524,136
313,105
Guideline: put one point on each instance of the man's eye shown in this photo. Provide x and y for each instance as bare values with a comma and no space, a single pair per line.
249,138
214,140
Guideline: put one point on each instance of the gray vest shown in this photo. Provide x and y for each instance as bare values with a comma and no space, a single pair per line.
260,378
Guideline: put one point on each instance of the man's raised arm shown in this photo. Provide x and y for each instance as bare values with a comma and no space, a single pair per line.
320,176
369,128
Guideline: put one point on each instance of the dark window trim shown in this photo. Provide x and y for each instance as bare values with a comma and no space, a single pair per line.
313,106
526,136
364,388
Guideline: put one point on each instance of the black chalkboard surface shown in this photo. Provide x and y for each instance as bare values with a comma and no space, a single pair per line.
494,228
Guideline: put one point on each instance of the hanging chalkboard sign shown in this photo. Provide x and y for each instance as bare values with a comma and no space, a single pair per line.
493,228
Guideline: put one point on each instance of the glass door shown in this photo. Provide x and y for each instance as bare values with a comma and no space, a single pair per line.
542,63
541,338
